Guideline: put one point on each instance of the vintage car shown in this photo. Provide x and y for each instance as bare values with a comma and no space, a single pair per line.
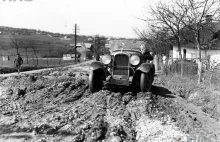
122,68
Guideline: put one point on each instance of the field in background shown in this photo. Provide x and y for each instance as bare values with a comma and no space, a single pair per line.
43,44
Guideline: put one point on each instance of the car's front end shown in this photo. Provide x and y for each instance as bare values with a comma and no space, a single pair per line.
120,67
123,68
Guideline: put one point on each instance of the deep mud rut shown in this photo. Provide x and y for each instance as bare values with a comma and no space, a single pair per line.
55,105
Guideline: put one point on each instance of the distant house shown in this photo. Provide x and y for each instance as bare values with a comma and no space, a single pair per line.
83,52
70,55
56,35
5,58
192,53
189,50
38,33
86,51
66,37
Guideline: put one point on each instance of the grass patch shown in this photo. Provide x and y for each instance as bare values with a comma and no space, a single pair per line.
4,70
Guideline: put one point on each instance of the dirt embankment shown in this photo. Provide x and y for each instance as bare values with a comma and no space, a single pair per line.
55,105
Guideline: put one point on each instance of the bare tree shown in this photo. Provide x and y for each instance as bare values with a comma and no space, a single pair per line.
156,40
15,43
49,51
199,16
168,17
99,43
32,44
25,45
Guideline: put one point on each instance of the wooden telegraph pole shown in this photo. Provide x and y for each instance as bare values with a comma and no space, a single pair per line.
75,40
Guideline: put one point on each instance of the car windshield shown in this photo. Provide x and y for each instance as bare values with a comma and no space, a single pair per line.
130,51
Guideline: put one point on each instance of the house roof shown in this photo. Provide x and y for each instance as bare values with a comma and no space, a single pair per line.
207,34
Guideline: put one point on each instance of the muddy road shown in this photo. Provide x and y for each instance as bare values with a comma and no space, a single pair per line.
55,106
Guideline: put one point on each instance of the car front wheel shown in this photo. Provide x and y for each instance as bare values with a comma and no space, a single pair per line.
95,81
145,82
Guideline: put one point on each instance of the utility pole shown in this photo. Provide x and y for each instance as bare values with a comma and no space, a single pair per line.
75,40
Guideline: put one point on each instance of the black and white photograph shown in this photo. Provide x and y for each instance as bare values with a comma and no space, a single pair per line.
109,70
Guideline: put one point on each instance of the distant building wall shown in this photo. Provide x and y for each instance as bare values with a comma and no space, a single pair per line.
193,53
69,56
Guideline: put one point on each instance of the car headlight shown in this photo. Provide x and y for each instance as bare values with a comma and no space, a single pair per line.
135,60
106,59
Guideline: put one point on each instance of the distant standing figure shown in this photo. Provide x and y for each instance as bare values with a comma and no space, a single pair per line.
18,62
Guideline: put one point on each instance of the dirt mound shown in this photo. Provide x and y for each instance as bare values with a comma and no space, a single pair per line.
57,106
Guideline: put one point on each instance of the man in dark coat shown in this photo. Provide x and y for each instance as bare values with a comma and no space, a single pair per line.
146,53
18,62
147,58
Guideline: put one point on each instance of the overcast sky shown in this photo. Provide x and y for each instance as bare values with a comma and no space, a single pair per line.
104,17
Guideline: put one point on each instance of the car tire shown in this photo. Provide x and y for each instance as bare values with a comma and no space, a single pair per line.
95,82
145,82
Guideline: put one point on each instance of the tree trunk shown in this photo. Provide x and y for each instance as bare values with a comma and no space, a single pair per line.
199,64
180,56
36,58
181,65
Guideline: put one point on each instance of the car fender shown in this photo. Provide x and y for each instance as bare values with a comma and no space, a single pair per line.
145,67
99,68
96,65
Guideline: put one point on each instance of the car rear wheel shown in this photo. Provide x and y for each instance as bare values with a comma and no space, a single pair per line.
95,81
145,82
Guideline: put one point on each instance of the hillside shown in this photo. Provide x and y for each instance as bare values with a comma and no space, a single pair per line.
44,40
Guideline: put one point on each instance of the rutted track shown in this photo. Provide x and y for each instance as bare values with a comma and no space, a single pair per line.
55,105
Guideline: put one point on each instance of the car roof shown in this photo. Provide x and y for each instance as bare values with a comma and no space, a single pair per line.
131,51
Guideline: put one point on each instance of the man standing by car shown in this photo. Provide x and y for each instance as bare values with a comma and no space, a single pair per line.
148,57
18,62
146,53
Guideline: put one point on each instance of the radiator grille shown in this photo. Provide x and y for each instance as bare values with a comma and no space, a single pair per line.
121,62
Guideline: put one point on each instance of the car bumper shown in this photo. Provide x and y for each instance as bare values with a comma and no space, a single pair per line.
118,81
